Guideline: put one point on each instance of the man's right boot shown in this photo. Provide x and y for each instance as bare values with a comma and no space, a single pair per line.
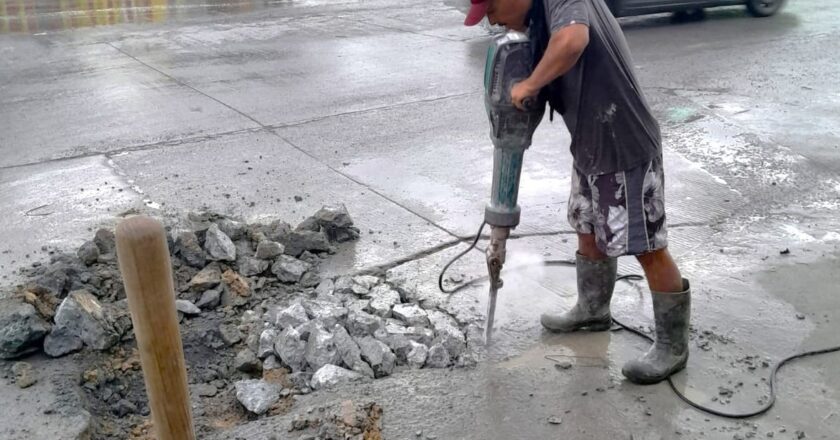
595,280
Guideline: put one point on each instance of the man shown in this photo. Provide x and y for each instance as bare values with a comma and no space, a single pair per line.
617,197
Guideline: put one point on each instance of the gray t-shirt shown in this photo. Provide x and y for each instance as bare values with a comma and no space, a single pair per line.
610,122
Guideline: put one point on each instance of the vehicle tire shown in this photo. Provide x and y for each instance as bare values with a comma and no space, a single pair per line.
764,8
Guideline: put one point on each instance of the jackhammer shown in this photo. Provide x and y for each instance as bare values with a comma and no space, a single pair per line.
509,61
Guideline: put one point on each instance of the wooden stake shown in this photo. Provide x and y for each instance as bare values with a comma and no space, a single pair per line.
147,275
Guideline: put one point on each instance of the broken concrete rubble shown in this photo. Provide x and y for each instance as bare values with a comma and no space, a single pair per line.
382,299
411,314
268,250
219,246
256,395
249,266
188,247
187,307
291,316
320,348
289,269
206,278
377,355
21,329
326,313
88,253
330,376
438,357
291,348
83,317
267,339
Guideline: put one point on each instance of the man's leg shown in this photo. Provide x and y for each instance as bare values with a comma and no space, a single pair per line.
595,271
662,273
671,297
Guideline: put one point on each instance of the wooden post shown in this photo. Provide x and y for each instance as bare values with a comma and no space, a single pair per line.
147,274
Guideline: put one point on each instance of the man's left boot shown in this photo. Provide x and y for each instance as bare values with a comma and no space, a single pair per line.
669,352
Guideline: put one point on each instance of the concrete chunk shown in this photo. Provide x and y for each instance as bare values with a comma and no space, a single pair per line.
410,314
320,348
268,250
291,349
21,328
377,355
256,395
218,245
289,269
82,315
330,376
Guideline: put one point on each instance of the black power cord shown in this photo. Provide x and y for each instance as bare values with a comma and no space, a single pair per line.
633,277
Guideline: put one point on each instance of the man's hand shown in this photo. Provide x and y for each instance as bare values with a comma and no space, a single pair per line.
521,91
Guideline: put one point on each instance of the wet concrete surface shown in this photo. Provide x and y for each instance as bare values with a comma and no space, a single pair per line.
239,106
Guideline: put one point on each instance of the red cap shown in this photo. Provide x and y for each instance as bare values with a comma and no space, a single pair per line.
478,9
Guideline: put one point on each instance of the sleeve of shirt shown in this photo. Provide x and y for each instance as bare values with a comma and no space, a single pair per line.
562,13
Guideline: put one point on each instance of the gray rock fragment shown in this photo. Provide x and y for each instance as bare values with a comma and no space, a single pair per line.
296,242
252,266
325,312
320,348
266,344
82,315
21,328
382,299
330,376
230,334
88,253
61,342
348,349
289,269
438,357
219,246
247,362
291,349
268,250
343,285
366,282
291,316
448,333
310,279
257,396
271,362
422,335
364,369
377,355
361,323
232,228
187,307
277,230
105,241
210,299
416,358
204,390
188,247
336,223
410,314
325,288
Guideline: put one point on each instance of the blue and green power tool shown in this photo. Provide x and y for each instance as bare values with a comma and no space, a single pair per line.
509,61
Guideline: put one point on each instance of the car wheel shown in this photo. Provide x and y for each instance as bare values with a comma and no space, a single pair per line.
764,8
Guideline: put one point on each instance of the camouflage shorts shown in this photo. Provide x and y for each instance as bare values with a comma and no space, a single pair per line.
625,210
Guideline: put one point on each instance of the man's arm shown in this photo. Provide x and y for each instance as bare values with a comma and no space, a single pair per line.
563,51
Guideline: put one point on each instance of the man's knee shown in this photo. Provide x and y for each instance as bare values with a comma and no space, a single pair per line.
588,247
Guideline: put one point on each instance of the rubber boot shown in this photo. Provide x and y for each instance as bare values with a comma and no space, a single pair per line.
669,352
595,280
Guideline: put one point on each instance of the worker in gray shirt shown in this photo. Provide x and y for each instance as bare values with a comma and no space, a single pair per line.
617,202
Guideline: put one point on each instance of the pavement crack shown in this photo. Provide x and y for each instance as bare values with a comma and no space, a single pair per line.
373,109
184,84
